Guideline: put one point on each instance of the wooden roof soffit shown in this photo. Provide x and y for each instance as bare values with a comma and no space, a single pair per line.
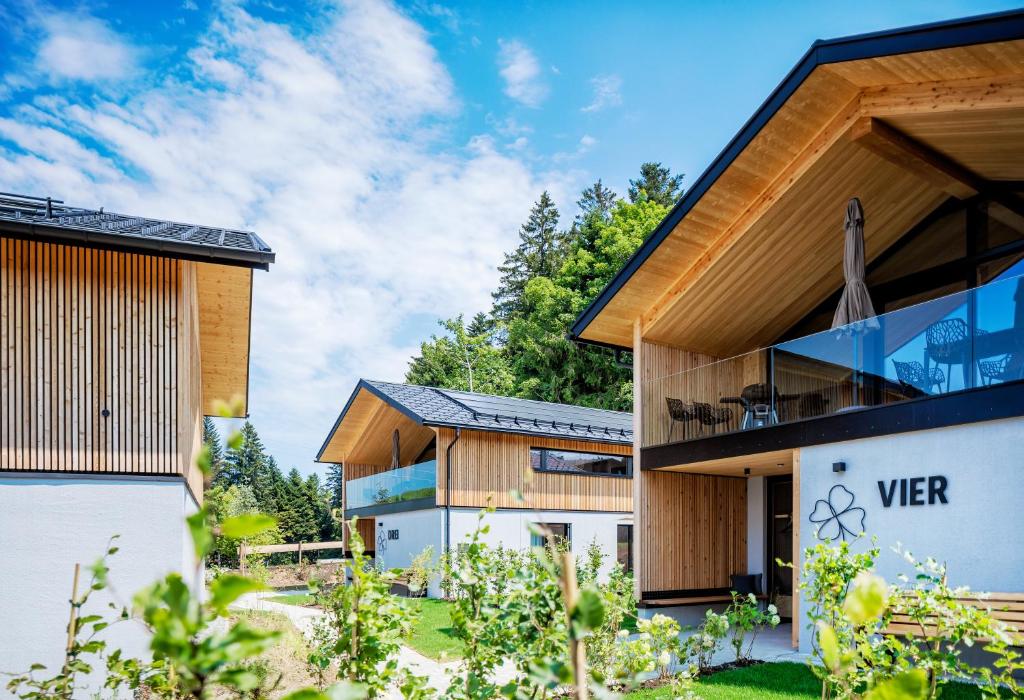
859,121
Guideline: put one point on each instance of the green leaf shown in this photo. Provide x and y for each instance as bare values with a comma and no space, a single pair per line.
339,691
867,600
909,685
243,526
202,538
226,589
204,460
829,646
588,613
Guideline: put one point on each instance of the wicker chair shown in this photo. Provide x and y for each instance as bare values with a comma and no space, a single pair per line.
912,376
678,412
711,417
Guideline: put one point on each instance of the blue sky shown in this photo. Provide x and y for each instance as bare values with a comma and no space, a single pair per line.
387,152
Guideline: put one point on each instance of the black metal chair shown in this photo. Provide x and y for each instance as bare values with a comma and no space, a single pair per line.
711,417
948,342
678,412
999,370
912,375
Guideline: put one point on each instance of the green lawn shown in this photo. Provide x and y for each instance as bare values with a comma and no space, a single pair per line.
433,636
775,681
293,599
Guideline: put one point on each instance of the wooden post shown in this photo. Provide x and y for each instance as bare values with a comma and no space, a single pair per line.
577,650
72,618
300,553
241,558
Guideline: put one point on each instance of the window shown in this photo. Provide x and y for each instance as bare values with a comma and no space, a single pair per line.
624,546
560,532
567,461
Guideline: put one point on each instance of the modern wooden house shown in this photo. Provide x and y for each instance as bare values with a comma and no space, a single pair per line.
758,429
420,463
117,334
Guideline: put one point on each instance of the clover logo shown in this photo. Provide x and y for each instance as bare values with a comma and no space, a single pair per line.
836,516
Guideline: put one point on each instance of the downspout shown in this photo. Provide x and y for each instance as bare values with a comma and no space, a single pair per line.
448,491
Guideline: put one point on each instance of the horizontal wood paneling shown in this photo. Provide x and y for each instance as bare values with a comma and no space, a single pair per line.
83,331
691,530
496,464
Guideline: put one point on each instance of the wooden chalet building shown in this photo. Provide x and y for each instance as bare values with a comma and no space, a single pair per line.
117,335
420,463
758,430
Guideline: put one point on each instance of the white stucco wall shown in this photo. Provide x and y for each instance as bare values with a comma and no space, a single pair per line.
49,524
975,533
422,528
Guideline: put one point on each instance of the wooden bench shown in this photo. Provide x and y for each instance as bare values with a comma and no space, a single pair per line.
689,600
1005,607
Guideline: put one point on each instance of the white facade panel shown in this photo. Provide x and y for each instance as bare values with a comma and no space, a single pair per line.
955,495
47,524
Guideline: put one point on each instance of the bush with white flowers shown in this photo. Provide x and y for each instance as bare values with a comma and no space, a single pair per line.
746,620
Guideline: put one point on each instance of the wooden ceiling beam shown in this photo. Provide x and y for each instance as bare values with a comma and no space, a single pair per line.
839,125
970,94
911,155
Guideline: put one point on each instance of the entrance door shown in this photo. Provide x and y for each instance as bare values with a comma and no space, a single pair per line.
780,542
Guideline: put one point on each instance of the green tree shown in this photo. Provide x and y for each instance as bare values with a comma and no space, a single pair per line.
335,484
657,184
539,253
211,438
224,502
458,360
297,515
243,466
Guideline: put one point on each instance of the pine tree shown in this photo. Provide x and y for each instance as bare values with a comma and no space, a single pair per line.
297,517
540,252
244,465
657,184
595,201
335,484
211,438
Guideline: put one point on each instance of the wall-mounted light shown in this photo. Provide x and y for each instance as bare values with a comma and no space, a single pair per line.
746,471
838,467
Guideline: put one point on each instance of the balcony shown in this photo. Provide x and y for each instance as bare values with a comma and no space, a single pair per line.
413,483
947,345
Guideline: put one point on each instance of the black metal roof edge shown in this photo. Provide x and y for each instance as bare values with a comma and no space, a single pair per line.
383,396
978,29
621,440
36,231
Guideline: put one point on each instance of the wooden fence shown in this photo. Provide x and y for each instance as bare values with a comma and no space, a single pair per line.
300,547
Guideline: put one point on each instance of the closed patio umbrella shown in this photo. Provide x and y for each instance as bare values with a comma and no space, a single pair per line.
855,304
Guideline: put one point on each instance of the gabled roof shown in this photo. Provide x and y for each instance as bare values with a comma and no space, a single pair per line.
431,406
46,219
837,68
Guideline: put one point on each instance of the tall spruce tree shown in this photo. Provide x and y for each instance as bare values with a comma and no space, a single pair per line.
243,466
335,484
297,515
657,184
595,202
211,438
539,254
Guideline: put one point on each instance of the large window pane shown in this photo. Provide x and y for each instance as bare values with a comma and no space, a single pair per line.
624,546
559,533
572,462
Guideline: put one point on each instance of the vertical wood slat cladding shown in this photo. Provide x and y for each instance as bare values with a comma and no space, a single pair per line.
85,330
496,463
692,531
667,373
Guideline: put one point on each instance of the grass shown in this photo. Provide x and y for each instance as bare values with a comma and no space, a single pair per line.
775,681
293,599
287,658
432,635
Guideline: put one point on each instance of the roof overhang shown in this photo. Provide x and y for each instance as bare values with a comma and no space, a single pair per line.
362,432
903,119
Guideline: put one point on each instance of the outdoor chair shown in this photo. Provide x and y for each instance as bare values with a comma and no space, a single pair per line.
999,370
948,342
911,375
678,412
711,417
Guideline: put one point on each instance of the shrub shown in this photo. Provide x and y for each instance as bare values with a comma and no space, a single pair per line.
746,619
420,571
707,640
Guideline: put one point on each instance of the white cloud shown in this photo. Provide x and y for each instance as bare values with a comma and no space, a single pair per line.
521,72
189,5
583,146
606,92
80,47
326,145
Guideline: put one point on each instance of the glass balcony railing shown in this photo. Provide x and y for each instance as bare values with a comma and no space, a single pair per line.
965,340
404,484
